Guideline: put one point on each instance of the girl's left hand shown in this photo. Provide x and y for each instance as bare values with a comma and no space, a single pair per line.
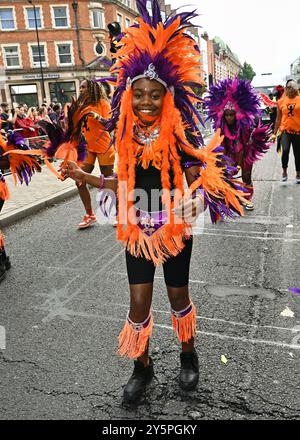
72,170
189,209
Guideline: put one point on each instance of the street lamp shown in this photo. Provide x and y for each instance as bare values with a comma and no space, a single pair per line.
39,50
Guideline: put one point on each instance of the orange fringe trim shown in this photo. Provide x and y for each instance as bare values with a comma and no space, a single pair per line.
159,246
185,327
1,241
133,343
4,193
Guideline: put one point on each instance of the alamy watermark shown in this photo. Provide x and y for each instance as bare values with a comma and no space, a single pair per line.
152,208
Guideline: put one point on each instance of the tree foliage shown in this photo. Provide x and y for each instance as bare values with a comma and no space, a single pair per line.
246,72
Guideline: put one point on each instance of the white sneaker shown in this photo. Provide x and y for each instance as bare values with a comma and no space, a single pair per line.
249,206
87,221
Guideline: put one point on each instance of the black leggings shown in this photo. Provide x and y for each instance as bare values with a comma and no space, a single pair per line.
176,269
286,140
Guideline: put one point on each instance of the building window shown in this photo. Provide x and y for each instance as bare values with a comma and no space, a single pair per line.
97,19
35,57
64,52
7,20
12,57
62,91
24,93
60,16
99,48
31,19
119,19
127,22
127,3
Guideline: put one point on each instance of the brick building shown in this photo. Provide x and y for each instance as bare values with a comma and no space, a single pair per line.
73,36
226,63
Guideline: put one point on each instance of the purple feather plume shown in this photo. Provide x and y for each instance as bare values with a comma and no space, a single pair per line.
241,94
258,145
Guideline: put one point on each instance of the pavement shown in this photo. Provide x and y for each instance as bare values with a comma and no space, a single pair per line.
64,302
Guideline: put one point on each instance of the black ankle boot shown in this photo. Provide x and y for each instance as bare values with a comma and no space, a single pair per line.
7,263
4,260
189,372
136,385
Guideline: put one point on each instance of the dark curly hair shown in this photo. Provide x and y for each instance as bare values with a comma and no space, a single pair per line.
95,92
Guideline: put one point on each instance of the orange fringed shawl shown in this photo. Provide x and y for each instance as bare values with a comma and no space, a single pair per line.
169,239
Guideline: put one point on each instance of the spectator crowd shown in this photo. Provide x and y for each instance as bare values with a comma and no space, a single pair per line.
24,119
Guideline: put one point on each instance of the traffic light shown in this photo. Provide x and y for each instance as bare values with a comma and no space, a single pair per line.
114,30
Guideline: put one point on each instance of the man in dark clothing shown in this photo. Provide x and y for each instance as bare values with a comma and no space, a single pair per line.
6,123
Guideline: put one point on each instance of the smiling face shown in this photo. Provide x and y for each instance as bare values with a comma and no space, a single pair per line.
229,116
147,99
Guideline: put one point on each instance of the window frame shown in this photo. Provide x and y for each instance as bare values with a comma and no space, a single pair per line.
52,7
119,15
100,10
25,9
127,19
60,43
104,47
37,65
14,19
3,46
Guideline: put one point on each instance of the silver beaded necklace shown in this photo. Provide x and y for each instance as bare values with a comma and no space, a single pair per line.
146,137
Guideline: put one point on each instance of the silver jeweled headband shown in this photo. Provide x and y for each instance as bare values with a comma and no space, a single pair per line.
149,73
229,106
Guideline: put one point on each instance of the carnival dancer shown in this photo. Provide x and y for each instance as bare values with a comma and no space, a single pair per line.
234,107
4,195
288,125
86,116
94,104
155,138
22,168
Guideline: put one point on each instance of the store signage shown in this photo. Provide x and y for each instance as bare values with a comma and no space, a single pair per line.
46,76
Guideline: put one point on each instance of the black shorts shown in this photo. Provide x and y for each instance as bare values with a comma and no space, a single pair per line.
176,269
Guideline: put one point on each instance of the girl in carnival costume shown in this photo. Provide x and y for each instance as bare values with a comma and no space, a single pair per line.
234,108
157,141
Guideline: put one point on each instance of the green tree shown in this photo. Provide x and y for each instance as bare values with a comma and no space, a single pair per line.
247,72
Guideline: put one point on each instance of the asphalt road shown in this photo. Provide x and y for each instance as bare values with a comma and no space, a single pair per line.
64,302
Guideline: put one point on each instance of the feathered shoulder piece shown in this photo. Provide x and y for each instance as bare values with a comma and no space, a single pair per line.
19,157
160,50
233,94
67,143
